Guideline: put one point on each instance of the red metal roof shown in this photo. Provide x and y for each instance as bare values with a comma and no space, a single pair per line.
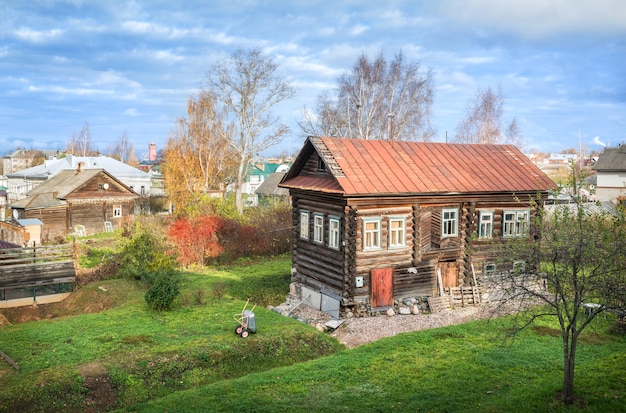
367,167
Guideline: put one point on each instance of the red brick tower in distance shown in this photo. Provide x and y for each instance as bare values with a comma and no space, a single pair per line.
152,153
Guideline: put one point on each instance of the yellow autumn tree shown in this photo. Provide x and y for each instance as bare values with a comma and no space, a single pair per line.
198,161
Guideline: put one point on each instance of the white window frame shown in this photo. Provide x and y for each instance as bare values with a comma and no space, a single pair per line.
371,237
397,236
334,232
450,225
117,211
485,224
304,224
318,228
515,223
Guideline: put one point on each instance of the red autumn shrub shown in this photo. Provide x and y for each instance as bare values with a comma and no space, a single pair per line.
196,238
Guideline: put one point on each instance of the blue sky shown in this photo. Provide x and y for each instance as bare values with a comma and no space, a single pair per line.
130,65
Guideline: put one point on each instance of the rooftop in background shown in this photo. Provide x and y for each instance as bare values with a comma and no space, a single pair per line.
70,162
612,159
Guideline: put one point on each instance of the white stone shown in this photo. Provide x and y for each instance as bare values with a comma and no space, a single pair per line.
404,310
390,312
415,309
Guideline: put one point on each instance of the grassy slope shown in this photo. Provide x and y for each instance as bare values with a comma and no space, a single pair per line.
150,354
463,368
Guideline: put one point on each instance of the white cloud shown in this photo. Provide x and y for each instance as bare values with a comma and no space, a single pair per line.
35,36
113,78
131,112
597,141
358,30
60,90
541,18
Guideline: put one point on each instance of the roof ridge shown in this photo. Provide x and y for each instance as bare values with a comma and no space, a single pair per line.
327,156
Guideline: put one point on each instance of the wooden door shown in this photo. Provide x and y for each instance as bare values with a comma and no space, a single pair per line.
382,287
449,274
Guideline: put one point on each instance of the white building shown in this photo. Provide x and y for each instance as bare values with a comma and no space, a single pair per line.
611,178
19,183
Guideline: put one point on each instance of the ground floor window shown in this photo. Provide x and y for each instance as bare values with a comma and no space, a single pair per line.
371,234
515,223
333,233
117,211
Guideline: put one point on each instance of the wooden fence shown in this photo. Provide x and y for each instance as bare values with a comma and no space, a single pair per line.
35,271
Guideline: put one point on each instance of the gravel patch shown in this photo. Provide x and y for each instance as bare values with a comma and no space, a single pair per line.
358,331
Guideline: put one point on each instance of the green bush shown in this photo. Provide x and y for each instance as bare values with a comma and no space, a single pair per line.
144,252
165,288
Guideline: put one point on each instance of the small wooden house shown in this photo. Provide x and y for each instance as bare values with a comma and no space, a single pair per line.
76,201
375,222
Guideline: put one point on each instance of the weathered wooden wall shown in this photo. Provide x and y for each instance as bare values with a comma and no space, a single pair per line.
34,269
54,219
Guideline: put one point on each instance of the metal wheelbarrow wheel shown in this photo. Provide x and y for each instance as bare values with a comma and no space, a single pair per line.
245,333
239,330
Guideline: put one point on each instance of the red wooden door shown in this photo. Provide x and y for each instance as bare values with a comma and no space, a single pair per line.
449,274
382,287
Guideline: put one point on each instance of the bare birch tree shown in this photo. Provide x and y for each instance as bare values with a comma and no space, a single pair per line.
80,144
483,121
378,99
124,150
198,158
573,270
248,85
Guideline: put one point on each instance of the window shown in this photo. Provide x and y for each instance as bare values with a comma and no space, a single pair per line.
333,232
318,228
143,190
489,269
519,267
396,232
321,166
117,211
304,225
485,224
515,223
371,234
449,222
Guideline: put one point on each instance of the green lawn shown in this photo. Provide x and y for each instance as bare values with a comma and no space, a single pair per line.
463,368
189,359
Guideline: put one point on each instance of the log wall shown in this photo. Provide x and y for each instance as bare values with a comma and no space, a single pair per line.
414,266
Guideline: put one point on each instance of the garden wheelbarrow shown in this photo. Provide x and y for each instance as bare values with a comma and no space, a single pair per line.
246,320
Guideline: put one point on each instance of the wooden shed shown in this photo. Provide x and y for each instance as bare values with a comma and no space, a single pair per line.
87,200
376,222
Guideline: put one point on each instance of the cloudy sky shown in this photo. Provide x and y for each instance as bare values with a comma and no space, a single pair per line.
130,65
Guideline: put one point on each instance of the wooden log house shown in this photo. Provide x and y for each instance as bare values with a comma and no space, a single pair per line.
375,222
83,198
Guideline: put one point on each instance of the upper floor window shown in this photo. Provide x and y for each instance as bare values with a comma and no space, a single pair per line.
318,228
515,223
304,224
397,232
485,224
333,232
449,222
371,233
321,166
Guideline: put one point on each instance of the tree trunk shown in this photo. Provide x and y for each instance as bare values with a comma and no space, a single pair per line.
569,360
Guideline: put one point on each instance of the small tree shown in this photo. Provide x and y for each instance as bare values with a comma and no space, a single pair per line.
483,121
575,257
